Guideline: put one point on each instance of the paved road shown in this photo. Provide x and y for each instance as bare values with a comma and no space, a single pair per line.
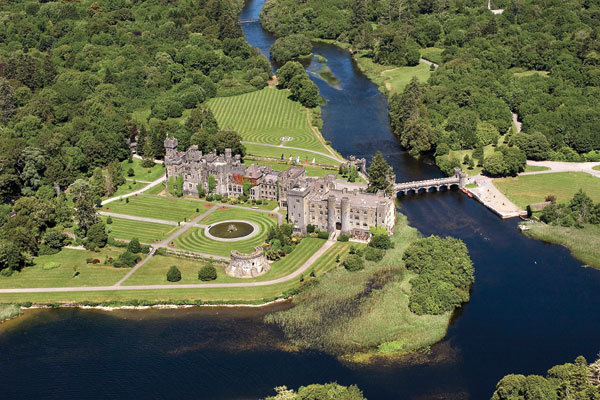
187,226
119,287
561,166
295,148
430,63
135,218
135,192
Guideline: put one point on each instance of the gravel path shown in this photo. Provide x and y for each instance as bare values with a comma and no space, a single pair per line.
134,218
135,192
117,286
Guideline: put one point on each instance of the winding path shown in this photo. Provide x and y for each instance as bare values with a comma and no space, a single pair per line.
118,287
135,192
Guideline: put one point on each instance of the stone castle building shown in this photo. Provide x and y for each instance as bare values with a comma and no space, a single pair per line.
328,203
248,265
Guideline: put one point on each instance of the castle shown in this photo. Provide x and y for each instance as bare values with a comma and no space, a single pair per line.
327,203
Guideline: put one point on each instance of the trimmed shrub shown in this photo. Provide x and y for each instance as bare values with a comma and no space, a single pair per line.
343,238
310,228
353,262
207,273
126,260
323,235
374,254
381,242
174,274
130,172
109,220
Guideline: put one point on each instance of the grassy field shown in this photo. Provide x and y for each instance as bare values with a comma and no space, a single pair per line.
195,240
348,312
433,54
528,189
146,232
8,311
390,78
597,168
535,168
128,187
327,261
265,116
276,152
154,272
62,275
141,173
170,209
583,243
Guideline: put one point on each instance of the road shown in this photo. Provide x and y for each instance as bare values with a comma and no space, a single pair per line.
135,192
561,166
119,287
135,218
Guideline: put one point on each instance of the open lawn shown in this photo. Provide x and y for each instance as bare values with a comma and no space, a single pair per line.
42,275
347,312
390,78
276,152
528,189
597,168
141,173
433,54
535,168
128,187
154,272
583,243
327,261
167,208
265,116
195,240
146,232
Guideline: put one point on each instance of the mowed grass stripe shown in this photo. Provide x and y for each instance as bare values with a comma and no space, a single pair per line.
146,232
170,209
265,116
196,240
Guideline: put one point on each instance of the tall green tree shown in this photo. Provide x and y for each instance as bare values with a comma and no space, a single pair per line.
380,174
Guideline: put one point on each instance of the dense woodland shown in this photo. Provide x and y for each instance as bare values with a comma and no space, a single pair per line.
540,59
79,80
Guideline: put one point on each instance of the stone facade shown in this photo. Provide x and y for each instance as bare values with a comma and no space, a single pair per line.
332,204
248,265
328,203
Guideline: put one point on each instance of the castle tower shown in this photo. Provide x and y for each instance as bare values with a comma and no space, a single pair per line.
331,214
170,144
345,215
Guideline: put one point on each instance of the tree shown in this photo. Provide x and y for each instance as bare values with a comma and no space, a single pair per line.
229,139
174,274
287,48
130,172
134,246
212,183
353,262
179,186
287,72
380,174
8,107
381,241
84,201
96,236
305,91
535,146
207,273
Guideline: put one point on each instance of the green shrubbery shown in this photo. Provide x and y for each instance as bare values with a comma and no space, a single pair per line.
579,211
207,273
328,391
444,274
374,254
568,381
353,262
343,237
173,274
287,48
126,260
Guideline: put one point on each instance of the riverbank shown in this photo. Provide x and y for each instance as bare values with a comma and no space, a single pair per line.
583,243
9,311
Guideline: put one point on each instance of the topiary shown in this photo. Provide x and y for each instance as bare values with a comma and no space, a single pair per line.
207,273
174,274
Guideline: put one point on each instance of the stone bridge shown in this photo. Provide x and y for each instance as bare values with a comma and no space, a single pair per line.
458,179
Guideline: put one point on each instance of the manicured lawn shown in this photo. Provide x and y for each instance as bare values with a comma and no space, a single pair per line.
535,168
265,116
89,274
276,152
266,205
195,240
390,78
597,168
141,173
433,54
310,169
154,272
128,187
583,243
327,261
167,208
146,232
527,189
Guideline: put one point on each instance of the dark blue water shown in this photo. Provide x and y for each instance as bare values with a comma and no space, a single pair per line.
532,305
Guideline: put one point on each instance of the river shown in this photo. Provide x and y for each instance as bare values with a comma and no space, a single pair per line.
532,305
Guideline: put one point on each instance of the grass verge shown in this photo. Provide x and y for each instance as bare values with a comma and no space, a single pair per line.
528,189
583,243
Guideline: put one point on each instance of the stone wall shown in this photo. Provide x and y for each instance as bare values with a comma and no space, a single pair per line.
248,265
